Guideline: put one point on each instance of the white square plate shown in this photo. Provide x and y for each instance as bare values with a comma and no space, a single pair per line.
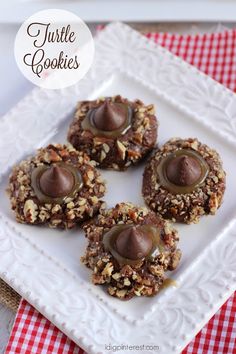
43,265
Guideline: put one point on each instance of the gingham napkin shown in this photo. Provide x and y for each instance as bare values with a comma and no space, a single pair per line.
215,54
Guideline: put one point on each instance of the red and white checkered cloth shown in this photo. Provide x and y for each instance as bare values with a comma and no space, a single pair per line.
33,333
215,54
212,53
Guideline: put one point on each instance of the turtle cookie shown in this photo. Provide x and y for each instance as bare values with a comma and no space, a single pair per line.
129,250
184,180
114,131
59,187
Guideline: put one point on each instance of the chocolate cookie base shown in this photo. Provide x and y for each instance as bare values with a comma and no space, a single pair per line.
127,281
84,204
187,208
120,152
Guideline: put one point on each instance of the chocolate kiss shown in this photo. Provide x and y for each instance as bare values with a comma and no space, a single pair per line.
56,182
183,170
109,116
133,243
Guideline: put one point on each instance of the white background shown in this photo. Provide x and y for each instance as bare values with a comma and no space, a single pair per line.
14,86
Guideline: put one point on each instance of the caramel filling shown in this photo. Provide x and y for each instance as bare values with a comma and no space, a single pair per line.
89,122
182,171
152,248
52,186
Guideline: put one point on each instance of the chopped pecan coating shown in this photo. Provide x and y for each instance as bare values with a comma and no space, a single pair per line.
126,281
116,153
189,207
82,206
